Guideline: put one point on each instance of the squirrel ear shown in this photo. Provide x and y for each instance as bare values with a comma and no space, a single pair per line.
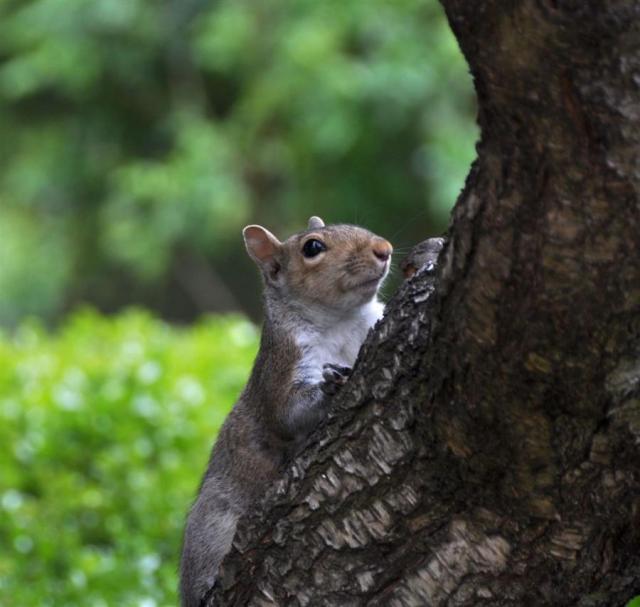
315,223
262,247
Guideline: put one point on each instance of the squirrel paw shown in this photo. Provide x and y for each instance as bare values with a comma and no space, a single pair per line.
423,256
334,377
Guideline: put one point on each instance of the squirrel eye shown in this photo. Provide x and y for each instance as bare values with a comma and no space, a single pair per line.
313,247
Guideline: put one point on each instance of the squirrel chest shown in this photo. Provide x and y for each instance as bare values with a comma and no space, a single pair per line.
337,340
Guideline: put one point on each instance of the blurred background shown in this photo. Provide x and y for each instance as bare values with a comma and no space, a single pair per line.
137,138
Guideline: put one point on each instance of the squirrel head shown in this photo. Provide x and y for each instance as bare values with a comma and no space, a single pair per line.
335,267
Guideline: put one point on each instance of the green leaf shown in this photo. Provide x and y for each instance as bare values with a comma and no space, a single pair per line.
108,423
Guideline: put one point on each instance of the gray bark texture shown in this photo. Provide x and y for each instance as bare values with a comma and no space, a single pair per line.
486,449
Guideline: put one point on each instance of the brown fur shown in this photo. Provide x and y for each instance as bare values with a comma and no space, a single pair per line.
314,307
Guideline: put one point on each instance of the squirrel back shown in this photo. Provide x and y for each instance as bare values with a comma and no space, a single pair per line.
320,299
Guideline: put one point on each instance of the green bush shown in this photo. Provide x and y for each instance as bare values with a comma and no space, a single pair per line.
108,424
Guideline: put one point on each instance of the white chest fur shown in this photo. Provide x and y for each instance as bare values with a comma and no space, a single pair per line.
337,341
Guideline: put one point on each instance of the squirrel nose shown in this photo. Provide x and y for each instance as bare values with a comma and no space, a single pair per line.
382,249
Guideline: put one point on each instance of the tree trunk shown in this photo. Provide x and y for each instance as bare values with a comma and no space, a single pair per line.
485,451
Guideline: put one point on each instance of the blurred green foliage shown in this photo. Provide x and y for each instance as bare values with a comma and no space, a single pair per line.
106,427
137,137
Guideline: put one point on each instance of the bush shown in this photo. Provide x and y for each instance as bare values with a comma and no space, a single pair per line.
109,422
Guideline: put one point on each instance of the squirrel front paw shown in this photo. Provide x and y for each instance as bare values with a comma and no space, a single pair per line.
334,377
423,256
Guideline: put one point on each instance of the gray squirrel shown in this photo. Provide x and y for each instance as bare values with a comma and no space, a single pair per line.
320,300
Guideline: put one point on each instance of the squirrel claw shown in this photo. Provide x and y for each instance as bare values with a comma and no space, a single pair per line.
423,256
334,377
338,368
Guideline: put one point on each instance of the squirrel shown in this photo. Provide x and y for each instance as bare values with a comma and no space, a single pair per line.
320,300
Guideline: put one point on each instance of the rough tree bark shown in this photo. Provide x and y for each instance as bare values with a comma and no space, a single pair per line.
486,450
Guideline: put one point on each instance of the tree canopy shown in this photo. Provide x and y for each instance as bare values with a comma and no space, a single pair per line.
138,137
